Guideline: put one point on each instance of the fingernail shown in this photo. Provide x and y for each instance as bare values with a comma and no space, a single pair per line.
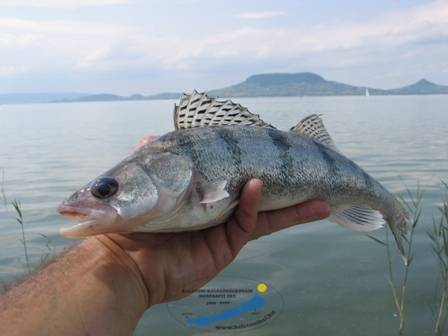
256,181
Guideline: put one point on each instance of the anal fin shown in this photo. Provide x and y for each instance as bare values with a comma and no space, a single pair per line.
357,218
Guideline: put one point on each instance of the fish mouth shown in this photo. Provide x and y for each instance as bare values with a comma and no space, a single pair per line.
73,213
88,221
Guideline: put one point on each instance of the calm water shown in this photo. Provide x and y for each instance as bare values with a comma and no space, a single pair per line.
332,281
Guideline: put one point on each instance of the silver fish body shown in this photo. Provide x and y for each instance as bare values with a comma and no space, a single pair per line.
293,169
191,178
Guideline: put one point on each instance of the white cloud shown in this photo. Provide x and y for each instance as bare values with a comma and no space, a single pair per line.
12,70
81,46
62,4
396,30
52,45
64,28
260,15
58,27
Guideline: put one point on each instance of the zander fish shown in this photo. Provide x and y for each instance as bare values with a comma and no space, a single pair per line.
191,178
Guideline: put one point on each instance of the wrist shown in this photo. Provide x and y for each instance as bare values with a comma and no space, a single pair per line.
123,269
92,289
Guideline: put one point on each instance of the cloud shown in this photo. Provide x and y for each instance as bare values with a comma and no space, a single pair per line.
91,44
52,46
57,27
61,4
394,31
88,47
260,15
6,71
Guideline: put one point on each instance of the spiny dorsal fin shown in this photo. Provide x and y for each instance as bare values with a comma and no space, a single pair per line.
313,127
200,110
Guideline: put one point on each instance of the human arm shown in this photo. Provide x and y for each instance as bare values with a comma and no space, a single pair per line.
103,285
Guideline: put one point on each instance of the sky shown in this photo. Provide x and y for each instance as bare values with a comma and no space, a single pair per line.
136,46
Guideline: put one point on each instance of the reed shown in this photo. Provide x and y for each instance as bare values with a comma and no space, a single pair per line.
397,277
439,238
398,285
19,218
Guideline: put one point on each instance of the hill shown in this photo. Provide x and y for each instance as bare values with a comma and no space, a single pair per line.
297,84
37,97
261,85
423,86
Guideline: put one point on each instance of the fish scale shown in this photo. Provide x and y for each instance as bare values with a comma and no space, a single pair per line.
191,178
288,159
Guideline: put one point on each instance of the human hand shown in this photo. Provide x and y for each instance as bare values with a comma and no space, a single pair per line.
172,265
103,285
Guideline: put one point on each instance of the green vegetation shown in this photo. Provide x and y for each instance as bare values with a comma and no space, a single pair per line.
299,84
397,277
284,85
439,238
261,85
398,287
17,206
310,84
423,86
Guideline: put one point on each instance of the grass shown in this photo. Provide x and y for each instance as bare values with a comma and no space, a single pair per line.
19,218
397,278
46,253
439,238
49,250
399,287
439,242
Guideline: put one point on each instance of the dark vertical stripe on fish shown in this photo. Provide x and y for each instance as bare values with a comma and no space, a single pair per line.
232,145
367,181
333,170
190,148
281,143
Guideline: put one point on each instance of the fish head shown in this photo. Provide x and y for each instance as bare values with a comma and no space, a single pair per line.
127,196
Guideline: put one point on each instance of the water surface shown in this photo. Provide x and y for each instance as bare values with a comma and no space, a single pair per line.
332,281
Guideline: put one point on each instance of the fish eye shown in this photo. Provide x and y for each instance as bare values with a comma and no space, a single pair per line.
104,187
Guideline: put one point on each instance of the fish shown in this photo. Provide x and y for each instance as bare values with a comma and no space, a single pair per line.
191,178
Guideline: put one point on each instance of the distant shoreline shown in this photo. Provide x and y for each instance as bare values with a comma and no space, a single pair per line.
303,84
220,98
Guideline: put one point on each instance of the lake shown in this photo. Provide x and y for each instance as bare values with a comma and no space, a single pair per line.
327,280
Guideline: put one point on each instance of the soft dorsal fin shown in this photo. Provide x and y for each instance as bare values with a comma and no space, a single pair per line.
313,127
200,110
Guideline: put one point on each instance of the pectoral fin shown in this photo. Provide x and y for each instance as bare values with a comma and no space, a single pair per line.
213,192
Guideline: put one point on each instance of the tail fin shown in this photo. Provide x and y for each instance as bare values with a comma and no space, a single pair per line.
400,225
363,218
